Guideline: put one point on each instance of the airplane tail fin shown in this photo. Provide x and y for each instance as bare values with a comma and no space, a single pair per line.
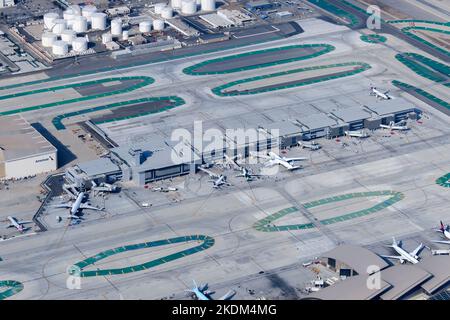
442,227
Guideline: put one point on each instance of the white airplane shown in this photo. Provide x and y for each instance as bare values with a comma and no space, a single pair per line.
164,189
220,181
377,93
217,180
395,126
357,134
404,256
274,159
105,187
247,174
445,233
310,145
202,294
77,205
18,224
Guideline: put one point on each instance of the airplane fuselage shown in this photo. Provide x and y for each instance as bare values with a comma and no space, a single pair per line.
405,255
76,205
15,223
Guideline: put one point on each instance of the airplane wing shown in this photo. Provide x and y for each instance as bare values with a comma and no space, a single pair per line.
393,257
257,155
62,205
416,250
295,159
86,206
287,165
227,296
441,241
25,222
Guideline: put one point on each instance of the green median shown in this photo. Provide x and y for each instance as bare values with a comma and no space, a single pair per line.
77,269
174,102
144,81
8,288
324,48
266,224
358,67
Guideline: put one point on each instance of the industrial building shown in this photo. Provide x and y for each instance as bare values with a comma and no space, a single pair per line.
356,266
24,151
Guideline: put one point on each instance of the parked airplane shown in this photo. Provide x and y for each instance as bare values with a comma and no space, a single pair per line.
395,126
164,189
310,145
357,134
247,174
105,187
274,159
377,93
77,205
220,181
217,180
18,224
445,230
202,294
404,256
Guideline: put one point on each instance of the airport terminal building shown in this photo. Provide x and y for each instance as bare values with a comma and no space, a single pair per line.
157,157
366,276
24,152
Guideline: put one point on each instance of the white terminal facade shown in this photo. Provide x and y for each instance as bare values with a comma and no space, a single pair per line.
6,3
24,151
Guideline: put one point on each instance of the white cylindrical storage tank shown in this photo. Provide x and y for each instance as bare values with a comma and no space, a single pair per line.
106,37
48,38
49,19
208,5
68,36
188,6
158,7
69,15
75,9
158,25
98,21
59,25
116,27
79,24
79,44
176,4
60,48
167,13
88,11
125,35
145,26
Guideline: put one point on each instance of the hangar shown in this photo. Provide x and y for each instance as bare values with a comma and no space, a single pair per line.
24,151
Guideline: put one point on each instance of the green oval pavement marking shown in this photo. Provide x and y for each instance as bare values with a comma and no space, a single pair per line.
265,224
144,82
175,102
373,38
327,6
444,181
13,287
422,65
191,70
359,67
423,93
77,268
407,31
